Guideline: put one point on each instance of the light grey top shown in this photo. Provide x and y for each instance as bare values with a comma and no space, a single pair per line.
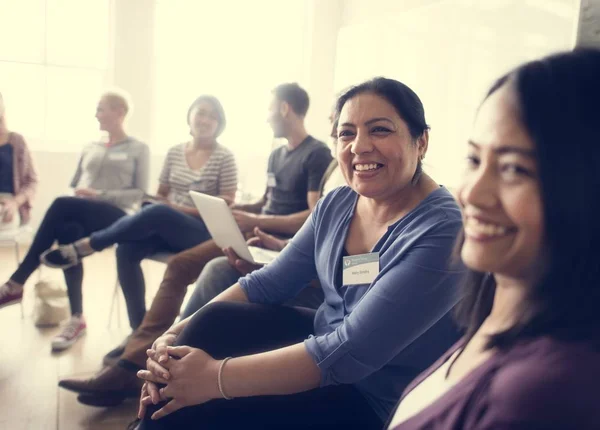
119,171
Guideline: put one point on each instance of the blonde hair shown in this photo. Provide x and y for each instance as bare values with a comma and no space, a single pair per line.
117,99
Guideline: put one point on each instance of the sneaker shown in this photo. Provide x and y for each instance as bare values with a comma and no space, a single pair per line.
74,329
10,295
63,257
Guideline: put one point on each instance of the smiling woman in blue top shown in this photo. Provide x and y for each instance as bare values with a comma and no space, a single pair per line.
381,250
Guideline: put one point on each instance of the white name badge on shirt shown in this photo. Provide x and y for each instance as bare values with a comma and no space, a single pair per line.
117,156
271,180
360,269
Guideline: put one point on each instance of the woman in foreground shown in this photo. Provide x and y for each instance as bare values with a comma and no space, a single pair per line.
531,355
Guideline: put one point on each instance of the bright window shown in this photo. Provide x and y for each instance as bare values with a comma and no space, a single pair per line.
53,65
237,51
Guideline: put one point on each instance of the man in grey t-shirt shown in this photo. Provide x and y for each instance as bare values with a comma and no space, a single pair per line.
295,170
293,173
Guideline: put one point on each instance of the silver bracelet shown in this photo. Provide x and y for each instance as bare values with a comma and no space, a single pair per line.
220,379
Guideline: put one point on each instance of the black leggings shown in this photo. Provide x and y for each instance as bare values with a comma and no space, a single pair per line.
67,220
237,329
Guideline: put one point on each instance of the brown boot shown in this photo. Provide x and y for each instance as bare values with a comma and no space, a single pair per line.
109,387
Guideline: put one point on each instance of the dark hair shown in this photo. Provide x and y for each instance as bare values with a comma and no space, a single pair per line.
558,99
294,95
217,106
407,103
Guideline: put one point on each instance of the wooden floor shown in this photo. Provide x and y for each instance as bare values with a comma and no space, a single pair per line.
29,372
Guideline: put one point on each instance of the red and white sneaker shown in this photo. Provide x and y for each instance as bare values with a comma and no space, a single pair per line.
10,295
72,331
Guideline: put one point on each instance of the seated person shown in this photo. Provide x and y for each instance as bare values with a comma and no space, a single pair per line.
298,167
222,272
530,358
109,182
171,223
18,182
380,249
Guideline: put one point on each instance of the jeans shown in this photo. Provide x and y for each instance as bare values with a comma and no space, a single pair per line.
67,220
154,229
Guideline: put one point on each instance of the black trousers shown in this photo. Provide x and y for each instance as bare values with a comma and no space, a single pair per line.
67,220
236,329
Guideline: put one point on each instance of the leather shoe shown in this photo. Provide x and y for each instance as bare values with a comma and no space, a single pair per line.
109,387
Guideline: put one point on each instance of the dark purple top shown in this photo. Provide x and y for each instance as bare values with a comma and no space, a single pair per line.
543,383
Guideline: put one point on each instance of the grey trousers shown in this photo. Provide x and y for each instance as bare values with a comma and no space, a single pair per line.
218,275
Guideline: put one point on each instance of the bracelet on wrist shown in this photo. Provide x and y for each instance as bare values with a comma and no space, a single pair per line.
220,379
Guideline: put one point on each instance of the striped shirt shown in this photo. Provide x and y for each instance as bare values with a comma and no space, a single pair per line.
217,177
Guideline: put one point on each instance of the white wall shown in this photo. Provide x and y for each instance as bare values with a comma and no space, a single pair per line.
132,65
324,23
449,52
360,11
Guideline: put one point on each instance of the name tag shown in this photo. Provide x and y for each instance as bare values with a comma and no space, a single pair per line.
271,180
117,156
360,269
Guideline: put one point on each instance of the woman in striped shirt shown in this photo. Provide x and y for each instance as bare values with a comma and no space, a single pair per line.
168,221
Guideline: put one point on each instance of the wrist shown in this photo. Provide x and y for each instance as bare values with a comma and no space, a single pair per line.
260,222
222,387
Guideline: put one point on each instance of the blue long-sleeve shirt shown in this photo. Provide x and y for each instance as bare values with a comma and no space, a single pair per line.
377,336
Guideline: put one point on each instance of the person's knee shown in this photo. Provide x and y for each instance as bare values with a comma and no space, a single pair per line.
189,264
217,265
176,263
155,212
217,276
216,314
60,205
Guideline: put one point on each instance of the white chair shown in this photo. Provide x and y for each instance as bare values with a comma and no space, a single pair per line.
159,257
13,237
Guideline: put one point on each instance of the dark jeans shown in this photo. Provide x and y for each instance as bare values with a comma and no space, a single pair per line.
67,220
237,329
156,228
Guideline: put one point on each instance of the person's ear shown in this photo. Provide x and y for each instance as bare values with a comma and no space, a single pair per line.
423,144
284,109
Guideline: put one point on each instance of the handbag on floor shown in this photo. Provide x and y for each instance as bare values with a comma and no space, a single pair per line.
51,304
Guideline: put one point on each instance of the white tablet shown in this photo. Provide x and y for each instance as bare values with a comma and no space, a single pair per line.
224,230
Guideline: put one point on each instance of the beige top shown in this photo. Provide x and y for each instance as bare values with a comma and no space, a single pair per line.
424,394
